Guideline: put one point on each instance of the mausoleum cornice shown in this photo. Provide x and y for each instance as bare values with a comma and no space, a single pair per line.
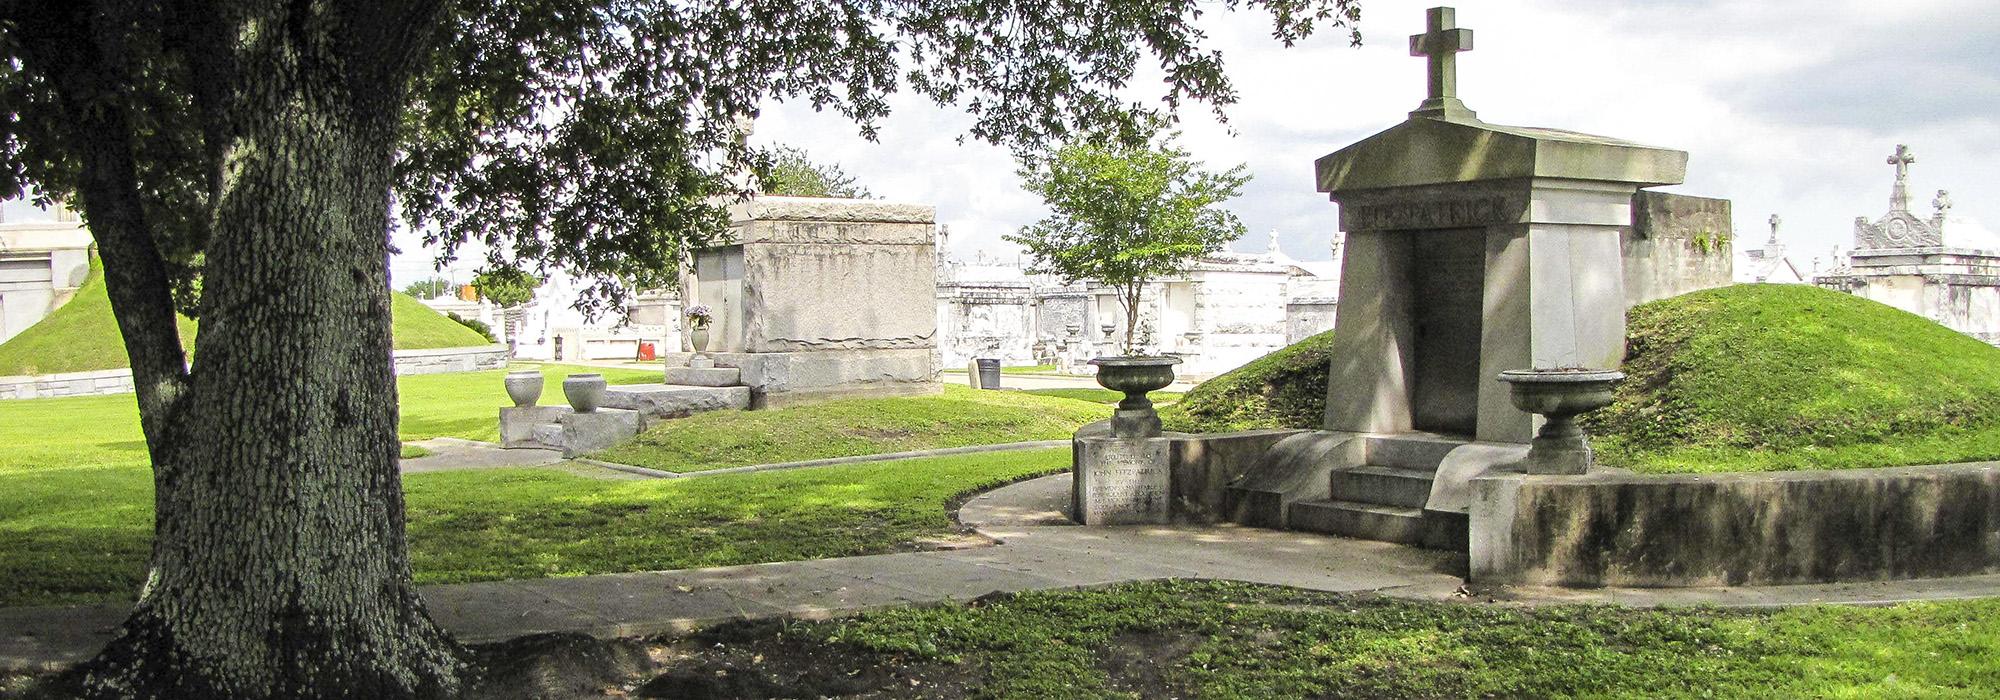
1426,151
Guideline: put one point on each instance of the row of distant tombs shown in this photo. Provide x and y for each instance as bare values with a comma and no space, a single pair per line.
1474,249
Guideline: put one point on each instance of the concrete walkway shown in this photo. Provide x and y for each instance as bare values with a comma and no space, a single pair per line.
1037,549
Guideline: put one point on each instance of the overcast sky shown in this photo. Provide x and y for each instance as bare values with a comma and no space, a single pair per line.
1784,106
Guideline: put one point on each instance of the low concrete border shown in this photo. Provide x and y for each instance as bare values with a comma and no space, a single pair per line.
119,381
831,461
1736,529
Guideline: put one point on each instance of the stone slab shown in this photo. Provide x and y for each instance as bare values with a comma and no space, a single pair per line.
1123,481
1612,529
518,424
712,376
779,379
675,401
599,429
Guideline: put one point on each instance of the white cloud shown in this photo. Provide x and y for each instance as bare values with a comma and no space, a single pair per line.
1785,106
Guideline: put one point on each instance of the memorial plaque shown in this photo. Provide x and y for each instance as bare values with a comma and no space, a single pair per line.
1122,481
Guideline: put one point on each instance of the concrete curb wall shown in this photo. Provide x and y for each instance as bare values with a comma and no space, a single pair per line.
119,381
1737,529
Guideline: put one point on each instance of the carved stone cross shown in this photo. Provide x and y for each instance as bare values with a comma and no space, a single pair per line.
1899,198
1774,227
1441,42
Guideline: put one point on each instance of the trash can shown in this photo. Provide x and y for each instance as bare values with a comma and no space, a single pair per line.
989,373
646,352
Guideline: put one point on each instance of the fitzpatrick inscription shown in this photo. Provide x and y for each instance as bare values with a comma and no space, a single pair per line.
1122,482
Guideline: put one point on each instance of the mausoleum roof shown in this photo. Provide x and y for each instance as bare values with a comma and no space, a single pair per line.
1432,151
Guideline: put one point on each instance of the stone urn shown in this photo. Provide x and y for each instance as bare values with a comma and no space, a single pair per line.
1559,396
524,387
698,338
1135,377
584,391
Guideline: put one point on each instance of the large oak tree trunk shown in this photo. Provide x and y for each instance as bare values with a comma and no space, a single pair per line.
279,566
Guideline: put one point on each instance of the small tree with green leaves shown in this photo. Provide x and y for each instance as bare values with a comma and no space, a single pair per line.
1125,215
794,174
428,289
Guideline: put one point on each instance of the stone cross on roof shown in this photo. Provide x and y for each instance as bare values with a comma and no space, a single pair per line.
1899,198
1441,42
1774,228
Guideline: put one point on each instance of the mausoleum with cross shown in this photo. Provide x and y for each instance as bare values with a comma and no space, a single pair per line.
1471,249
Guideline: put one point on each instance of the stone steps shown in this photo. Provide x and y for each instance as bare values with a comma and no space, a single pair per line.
1389,486
1367,521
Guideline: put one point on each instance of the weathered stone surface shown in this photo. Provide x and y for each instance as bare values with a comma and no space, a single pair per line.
1431,151
1122,481
672,401
446,360
1677,244
711,376
833,209
780,379
1297,468
1608,529
1204,465
518,424
589,432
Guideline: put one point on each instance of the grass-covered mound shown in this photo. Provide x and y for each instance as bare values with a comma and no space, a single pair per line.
1776,377
1742,378
82,335
957,418
1285,389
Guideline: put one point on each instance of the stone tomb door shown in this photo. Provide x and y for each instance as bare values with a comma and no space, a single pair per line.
1447,281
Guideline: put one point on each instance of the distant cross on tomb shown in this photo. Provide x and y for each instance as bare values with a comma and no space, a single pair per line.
1899,198
1441,42
1774,229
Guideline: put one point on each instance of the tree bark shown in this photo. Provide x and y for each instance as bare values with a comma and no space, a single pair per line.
279,567
1131,298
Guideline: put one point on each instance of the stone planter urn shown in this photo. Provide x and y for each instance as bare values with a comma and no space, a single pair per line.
1135,377
524,387
698,338
584,391
1560,395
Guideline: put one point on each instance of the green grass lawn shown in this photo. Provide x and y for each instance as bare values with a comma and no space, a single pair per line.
76,494
958,417
492,524
1231,640
1104,396
82,336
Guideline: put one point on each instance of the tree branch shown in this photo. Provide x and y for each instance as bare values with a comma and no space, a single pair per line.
62,41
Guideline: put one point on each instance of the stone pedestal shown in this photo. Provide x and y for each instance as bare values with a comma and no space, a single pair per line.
1122,481
1135,422
589,432
517,424
824,298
